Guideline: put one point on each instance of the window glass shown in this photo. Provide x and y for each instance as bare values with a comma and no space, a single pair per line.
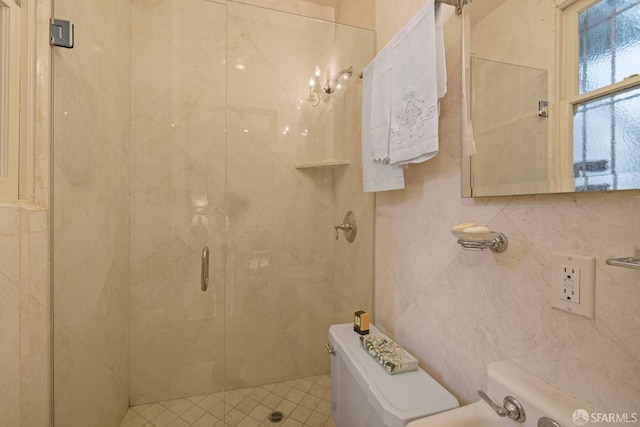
609,43
606,142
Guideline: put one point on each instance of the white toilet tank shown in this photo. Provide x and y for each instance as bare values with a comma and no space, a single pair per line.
364,395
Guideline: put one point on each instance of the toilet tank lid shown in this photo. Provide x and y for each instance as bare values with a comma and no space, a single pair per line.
397,399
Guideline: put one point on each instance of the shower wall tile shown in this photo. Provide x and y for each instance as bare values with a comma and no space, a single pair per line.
238,96
357,13
304,293
318,9
35,303
352,262
177,198
497,35
82,376
281,219
25,376
91,217
42,98
24,312
10,313
467,305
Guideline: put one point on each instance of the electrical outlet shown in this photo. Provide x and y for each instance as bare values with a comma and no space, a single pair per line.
573,284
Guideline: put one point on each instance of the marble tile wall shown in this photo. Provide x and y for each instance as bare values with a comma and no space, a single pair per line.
287,214
178,104
358,13
458,310
353,268
279,235
25,228
25,374
24,315
500,32
272,282
499,116
318,9
91,215
10,228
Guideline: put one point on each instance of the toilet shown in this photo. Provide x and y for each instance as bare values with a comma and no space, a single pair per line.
363,394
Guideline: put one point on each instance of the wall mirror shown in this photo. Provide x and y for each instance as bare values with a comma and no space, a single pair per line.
552,97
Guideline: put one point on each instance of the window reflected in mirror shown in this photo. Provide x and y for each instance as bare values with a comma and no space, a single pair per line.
536,129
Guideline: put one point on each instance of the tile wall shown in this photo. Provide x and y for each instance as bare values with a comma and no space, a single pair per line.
25,374
177,195
458,310
273,285
91,215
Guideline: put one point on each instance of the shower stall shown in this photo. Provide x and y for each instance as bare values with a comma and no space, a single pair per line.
190,135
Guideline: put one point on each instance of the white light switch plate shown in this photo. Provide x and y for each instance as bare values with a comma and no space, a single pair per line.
573,285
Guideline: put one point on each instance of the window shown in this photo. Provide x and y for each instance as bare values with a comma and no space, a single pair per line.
10,68
601,92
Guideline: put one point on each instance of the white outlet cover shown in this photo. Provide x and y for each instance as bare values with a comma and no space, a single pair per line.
587,265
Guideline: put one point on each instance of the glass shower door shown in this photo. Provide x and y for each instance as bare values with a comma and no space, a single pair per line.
138,193
288,278
185,125
90,209
178,106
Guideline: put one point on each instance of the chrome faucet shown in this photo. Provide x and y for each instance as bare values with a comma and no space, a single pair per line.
511,407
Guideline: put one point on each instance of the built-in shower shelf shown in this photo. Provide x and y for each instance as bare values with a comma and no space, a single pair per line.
625,262
330,163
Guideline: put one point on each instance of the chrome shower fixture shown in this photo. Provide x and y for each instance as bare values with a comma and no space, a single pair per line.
320,91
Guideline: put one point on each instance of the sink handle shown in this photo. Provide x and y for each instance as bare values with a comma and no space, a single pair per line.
512,408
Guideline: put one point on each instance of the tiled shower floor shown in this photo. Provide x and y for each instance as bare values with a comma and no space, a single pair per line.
305,402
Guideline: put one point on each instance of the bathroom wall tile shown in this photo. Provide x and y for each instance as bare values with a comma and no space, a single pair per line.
312,9
274,274
178,199
352,262
35,389
359,13
473,302
10,234
43,83
91,181
36,237
10,343
155,346
83,382
145,5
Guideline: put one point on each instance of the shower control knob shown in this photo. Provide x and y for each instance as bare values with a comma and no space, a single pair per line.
348,226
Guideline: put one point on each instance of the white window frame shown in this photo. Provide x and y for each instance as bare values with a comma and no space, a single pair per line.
569,95
10,73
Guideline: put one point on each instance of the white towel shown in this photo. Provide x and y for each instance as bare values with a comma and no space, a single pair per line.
418,80
380,74
376,176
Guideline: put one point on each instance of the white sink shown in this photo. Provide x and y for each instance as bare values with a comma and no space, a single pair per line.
538,398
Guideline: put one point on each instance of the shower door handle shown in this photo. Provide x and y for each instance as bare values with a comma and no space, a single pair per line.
204,269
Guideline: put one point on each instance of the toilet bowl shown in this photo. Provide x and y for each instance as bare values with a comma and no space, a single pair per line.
363,394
